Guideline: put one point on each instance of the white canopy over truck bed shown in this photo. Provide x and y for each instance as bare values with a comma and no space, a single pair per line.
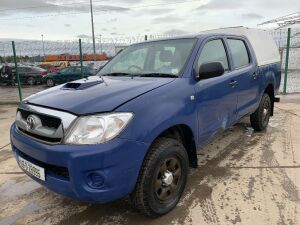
263,44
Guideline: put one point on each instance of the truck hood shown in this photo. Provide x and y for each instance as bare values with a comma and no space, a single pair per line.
93,95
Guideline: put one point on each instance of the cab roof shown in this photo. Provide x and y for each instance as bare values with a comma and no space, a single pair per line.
263,44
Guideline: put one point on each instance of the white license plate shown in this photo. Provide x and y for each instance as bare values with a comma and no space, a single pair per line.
31,168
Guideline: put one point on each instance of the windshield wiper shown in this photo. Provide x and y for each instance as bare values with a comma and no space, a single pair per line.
141,75
117,74
158,75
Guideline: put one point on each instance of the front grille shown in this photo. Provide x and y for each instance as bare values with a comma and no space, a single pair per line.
61,172
47,121
44,128
39,137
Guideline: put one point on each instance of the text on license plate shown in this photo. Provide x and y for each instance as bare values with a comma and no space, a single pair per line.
31,168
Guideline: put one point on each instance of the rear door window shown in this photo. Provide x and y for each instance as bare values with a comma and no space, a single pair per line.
239,53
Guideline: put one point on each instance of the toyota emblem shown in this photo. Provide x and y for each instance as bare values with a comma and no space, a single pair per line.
30,123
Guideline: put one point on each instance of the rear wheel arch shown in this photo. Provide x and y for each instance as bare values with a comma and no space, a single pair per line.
270,91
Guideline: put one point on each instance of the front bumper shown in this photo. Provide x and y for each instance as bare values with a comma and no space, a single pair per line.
116,164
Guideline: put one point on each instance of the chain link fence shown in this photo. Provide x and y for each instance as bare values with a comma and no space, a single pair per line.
293,71
52,56
56,55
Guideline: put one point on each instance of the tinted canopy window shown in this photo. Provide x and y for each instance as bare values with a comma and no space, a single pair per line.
239,53
213,51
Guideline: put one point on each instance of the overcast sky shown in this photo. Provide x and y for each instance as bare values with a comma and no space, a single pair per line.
68,19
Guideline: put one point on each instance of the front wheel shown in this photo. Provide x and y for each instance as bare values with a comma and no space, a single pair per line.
162,178
260,118
50,82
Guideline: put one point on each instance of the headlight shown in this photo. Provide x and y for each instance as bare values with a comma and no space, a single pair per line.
97,129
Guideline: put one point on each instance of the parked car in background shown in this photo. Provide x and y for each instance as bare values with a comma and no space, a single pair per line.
67,74
28,75
50,68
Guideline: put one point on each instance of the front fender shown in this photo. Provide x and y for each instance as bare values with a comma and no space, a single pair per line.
161,109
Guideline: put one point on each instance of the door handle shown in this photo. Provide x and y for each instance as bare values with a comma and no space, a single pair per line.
254,75
233,83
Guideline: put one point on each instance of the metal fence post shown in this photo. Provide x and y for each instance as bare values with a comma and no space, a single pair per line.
287,60
17,72
81,63
146,37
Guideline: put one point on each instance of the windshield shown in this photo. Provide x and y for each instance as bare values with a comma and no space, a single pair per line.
157,57
38,69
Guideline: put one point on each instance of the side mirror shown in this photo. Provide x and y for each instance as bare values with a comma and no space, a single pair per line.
210,70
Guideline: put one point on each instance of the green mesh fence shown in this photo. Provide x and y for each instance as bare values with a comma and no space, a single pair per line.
293,73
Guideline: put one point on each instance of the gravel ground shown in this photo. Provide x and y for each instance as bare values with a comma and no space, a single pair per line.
10,95
244,177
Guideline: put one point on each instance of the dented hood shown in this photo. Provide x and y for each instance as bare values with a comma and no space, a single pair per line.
94,95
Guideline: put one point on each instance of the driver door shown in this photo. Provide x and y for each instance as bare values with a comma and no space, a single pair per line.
216,97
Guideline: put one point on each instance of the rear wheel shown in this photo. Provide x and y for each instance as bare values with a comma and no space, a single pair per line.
50,82
260,118
162,178
31,81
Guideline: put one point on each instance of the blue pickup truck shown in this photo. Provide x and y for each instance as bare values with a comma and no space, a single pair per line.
135,128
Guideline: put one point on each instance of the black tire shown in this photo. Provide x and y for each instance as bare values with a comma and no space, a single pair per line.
31,81
50,82
260,118
157,192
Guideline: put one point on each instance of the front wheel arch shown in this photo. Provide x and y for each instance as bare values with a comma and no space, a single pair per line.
184,134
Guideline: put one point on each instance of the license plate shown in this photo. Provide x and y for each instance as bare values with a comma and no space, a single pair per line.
31,168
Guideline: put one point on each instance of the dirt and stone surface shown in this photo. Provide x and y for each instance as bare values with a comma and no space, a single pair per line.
244,177
10,94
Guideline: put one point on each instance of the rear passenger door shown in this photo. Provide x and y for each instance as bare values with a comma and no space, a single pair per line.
216,97
245,70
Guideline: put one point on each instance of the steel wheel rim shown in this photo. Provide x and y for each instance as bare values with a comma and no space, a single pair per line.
50,82
168,179
30,81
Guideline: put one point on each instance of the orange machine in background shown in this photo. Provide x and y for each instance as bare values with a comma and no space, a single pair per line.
86,57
